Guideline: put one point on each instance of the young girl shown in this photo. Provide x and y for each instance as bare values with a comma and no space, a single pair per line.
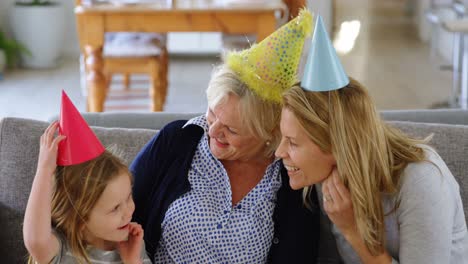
82,213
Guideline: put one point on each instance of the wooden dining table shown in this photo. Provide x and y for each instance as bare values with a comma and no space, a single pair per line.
94,20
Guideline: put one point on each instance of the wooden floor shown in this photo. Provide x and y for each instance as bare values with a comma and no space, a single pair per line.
387,57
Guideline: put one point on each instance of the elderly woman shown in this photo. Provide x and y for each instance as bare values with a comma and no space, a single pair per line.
389,198
209,190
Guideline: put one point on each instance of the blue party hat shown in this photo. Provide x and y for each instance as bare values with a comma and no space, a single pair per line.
323,71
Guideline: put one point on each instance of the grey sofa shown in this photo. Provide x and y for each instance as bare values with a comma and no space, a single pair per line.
19,147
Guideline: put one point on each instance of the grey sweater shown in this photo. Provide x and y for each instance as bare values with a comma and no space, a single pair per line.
428,227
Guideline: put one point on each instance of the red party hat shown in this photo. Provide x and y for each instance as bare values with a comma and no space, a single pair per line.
80,144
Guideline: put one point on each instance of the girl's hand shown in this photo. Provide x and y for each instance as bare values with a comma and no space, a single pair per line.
47,162
338,205
130,250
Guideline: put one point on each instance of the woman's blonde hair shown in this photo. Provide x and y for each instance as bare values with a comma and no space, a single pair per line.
370,155
260,117
76,191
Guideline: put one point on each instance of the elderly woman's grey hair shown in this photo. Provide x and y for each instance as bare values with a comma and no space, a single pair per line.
260,117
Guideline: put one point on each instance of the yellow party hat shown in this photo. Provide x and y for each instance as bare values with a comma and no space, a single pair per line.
270,67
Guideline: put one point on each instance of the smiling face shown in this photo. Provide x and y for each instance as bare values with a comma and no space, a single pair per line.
305,162
109,219
229,139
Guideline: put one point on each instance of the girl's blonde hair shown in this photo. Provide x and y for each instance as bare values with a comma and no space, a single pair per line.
77,190
370,155
260,117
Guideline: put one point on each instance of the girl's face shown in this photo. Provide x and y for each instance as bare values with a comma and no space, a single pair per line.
305,162
109,219
229,139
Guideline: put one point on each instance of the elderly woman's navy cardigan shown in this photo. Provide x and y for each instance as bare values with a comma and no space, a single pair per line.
160,173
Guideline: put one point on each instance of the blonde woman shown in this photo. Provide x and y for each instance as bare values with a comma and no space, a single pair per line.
209,190
390,198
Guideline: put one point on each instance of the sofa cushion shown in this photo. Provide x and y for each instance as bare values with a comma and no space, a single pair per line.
451,142
19,149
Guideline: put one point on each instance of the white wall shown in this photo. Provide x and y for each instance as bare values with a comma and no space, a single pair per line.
70,45
324,9
4,6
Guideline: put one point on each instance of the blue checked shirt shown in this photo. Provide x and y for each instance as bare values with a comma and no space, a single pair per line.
202,226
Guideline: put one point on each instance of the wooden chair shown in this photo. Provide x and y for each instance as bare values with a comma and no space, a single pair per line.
294,6
131,53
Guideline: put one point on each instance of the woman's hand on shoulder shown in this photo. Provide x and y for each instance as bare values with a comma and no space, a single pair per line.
47,161
338,205
130,250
